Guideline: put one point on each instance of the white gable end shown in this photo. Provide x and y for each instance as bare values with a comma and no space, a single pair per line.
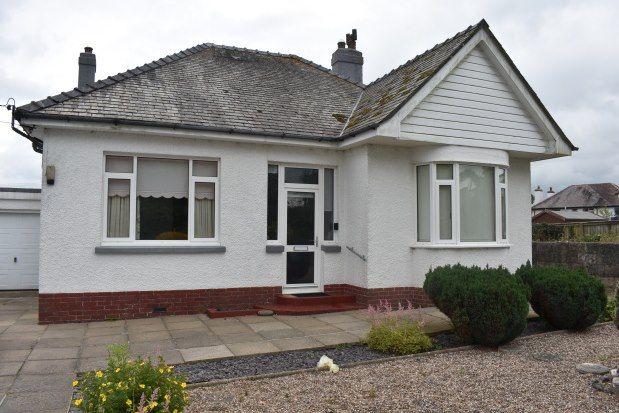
474,106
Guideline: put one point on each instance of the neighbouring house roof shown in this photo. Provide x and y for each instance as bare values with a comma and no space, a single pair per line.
569,215
582,196
222,88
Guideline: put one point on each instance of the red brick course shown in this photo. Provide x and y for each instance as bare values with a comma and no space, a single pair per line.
83,307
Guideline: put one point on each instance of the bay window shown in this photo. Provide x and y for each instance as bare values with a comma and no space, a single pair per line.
160,200
461,204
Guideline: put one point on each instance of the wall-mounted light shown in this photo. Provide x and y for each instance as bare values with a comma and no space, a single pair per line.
50,174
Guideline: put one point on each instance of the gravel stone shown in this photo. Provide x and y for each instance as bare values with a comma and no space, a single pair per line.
479,380
592,368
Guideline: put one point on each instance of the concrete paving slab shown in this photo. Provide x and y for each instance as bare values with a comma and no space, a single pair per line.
253,319
10,368
240,338
56,401
57,333
353,325
49,366
320,329
230,329
91,363
336,318
5,383
16,344
25,328
58,342
258,347
96,332
106,324
150,336
336,338
173,319
172,357
146,328
54,353
197,341
296,343
14,355
113,339
185,325
204,331
145,348
94,351
272,325
42,382
283,333
205,353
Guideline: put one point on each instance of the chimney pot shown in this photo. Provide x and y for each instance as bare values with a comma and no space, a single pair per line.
87,64
348,62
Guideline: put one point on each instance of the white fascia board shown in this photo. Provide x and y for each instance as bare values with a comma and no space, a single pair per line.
176,133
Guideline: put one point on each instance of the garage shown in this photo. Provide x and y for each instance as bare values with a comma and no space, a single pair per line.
19,238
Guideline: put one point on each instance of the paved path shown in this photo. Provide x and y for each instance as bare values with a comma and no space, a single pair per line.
38,362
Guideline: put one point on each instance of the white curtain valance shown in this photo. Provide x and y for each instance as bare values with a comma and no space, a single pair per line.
167,178
118,187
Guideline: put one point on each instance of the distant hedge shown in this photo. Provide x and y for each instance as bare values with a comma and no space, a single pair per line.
487,306
547,232
566,298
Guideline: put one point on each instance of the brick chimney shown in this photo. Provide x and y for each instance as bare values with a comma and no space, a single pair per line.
87,63
347,61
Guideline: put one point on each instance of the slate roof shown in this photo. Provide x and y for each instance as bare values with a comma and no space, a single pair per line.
222,88
582,196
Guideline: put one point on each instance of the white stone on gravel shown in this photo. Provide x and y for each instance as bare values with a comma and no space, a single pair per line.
592,368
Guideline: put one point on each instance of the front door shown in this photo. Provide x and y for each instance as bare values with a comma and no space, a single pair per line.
301,249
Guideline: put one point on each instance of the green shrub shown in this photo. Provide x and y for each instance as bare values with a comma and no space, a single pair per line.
566,298
398,336
609,311
487,306
547,232
131,386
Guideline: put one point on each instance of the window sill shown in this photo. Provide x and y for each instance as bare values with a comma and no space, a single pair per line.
274,249
472,245
330,248
180,249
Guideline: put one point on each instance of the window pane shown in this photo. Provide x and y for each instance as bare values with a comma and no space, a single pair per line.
162,201
502,176
299,267
329,216
444,172
118,205
477,203
204,210
272,189
444,203
301,176
503,215
121,164
423,203
301,218
204,168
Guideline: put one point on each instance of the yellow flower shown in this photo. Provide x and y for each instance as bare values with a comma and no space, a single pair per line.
117,369
160,370
175,411
78,402
141,386
103,397
99,374
128,402
169,369
75,383
152,405
166,397
183,385
120,384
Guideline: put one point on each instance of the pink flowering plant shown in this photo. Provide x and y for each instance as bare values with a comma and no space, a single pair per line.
397,330
141,385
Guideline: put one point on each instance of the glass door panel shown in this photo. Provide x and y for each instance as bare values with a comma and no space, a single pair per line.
301,224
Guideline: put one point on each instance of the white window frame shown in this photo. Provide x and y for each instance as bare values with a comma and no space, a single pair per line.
131,240
455,242
320,187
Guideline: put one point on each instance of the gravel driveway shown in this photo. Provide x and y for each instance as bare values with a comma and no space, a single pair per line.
533,374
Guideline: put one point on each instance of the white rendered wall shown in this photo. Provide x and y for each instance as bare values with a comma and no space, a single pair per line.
392,223
71,217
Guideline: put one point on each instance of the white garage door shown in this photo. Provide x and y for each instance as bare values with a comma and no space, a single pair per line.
19,251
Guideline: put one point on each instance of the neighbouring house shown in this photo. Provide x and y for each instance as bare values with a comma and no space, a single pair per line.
19,238
601,199
224,177
565,216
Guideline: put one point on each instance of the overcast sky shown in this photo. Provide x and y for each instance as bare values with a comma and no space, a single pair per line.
567,50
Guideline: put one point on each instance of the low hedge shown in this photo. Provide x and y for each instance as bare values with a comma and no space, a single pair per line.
566,298
398,337
487,306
